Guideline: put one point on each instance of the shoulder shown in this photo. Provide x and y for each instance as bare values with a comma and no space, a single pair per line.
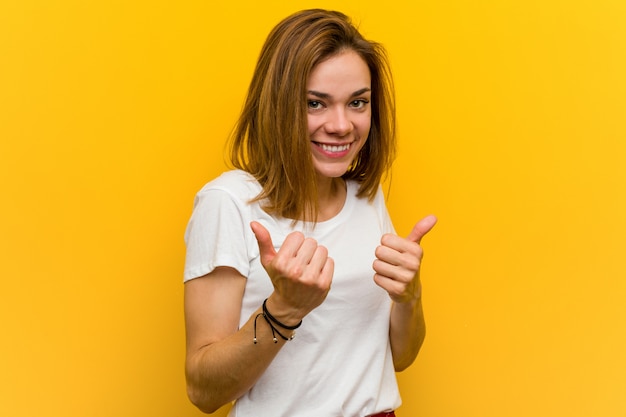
239,184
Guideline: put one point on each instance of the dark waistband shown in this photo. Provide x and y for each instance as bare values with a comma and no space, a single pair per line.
385,414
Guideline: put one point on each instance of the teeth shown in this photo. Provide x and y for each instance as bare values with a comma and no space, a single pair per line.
329,148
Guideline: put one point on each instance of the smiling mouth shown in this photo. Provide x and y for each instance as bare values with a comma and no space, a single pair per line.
333,148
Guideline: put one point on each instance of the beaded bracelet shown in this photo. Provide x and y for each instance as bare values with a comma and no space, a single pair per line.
270,321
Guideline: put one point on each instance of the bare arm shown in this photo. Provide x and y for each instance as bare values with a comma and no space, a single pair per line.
222,360
407,331
397,271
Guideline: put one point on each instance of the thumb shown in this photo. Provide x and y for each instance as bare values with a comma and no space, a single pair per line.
263,238
421,228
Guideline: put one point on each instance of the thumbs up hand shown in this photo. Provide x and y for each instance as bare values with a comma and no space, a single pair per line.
300,270
398,261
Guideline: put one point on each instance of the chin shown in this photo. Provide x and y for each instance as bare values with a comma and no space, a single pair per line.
335,172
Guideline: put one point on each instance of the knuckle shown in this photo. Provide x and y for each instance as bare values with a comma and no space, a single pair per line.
413,264
415,249
386,238
321,250
295,271
411,261
406,279
279,265
376,265
297,237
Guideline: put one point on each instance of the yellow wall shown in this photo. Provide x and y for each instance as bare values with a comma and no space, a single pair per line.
512,124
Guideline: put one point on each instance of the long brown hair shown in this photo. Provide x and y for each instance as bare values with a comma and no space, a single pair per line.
270,140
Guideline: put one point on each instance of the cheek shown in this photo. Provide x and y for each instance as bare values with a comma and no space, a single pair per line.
313,124
364,131
364,126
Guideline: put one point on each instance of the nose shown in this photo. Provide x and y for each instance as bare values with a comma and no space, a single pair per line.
338,122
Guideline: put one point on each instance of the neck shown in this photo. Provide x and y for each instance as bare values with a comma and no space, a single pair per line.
331,197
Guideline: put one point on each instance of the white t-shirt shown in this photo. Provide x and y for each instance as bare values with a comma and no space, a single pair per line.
339,363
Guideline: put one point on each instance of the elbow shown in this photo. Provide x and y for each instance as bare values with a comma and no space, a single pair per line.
401,365
403,362
199,389
404,358
201,400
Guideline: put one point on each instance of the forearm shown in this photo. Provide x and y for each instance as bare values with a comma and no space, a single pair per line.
407,330
223,371
223,362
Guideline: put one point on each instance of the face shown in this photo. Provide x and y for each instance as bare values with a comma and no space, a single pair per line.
339,112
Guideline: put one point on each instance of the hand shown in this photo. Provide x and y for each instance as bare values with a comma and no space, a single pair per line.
398,261
301,272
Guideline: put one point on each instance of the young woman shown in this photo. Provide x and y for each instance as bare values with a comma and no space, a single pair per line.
297,238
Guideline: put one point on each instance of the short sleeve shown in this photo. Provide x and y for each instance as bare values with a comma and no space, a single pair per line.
385,219
215,235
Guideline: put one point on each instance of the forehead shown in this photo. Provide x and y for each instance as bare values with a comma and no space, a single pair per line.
346,70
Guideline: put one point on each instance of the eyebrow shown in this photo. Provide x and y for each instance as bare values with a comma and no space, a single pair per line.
327,96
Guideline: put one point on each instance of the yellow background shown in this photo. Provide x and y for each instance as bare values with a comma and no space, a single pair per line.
512,130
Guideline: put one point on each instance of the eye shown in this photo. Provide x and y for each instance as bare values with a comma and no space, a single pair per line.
359,103
314,104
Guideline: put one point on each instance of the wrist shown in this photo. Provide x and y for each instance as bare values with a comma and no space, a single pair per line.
281,312
412,297
284,331
409,303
